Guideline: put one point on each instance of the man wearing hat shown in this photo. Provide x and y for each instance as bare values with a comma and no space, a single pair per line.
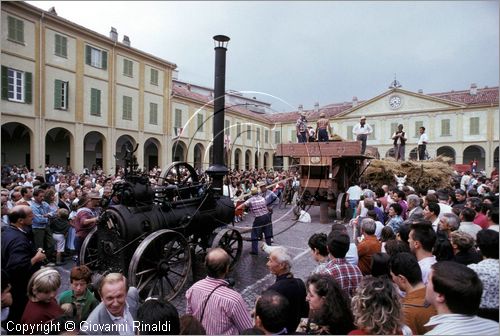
323,128
362,130
271,201
86,218
301,128
257,206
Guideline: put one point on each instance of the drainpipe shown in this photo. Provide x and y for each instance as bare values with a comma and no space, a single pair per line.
41,144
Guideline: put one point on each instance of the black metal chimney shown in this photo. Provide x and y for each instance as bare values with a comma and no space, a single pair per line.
218,170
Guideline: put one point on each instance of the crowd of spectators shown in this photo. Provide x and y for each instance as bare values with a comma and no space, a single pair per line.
417,261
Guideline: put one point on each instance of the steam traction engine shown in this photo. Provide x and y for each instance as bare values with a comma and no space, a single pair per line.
153,234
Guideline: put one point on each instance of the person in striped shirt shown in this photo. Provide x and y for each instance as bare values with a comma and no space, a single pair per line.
220,309
455,291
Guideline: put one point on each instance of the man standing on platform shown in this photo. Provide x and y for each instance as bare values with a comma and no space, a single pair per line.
362,130
422,143
399,138
323,128
301,128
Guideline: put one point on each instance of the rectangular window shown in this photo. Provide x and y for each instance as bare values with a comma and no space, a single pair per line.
227,127
349,135
128,68
266,136
154,77
127,108
96,57
178,118
60,95
153,113
474,126
238,129
16,85
200,122
15,29
371,136
258,134
95,102
61,46
418,124
445,127
277,137
249,132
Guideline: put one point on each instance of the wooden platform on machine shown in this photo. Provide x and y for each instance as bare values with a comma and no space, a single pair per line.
333,149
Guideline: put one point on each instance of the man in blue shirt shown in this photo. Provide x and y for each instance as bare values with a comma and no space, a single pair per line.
42,235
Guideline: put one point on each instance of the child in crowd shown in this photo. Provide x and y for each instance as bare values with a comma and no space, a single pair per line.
60,226
79,294
42,289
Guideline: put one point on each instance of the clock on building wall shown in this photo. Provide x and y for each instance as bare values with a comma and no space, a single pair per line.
395,102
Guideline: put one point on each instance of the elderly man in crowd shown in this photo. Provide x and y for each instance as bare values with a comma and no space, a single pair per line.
415,211
220,309
294,289
368,246
118,308
20,257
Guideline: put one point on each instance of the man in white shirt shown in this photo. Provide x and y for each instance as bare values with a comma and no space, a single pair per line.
362,130
455,291
421,240
422,143
353,195
466,222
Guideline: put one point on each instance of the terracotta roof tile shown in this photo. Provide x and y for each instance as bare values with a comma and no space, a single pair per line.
484,96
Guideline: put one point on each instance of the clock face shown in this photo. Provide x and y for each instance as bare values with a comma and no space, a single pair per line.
395,102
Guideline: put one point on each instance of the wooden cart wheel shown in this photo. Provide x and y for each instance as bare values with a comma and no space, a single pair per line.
229,240
340,208
160,265
89,254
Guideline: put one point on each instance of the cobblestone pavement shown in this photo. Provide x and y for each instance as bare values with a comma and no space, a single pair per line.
251,274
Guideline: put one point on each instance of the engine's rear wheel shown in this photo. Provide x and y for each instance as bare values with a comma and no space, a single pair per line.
229,240
160,265
89,253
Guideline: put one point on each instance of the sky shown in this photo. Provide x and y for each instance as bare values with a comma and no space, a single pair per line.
295,52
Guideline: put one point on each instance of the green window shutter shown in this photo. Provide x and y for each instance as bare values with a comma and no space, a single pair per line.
93,101
64,46
28,90
58,44
98,102
200,122
5,85
57,93
104,60
11,28
88,55
20,30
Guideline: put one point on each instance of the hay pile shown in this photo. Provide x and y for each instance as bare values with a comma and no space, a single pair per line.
432,174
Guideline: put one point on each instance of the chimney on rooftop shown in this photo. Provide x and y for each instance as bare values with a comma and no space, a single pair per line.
473,89
189,87
316,107
354,101
301,108
175,74
52,10
126,40
420,91
113,34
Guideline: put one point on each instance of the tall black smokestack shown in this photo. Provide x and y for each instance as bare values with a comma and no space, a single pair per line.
218,170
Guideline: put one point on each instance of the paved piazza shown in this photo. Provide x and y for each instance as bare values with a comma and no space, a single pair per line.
251,274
